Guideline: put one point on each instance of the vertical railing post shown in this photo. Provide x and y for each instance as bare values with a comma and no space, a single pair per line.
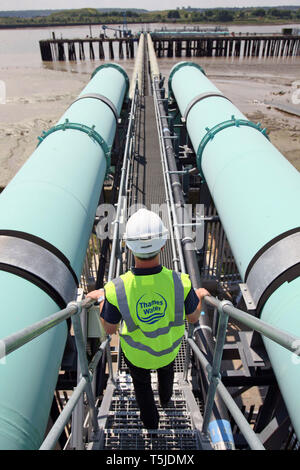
109,361
214,375
188,352
78,413
81,349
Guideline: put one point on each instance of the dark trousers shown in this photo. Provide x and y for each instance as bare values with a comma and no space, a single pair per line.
141,379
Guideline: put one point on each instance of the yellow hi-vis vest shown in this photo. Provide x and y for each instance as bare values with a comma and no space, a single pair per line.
152,309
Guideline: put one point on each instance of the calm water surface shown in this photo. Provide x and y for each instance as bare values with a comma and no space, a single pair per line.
20,47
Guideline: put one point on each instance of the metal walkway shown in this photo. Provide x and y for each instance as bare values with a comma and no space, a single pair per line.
122,427
179,425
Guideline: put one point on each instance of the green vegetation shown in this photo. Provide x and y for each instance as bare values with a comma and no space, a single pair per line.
183,15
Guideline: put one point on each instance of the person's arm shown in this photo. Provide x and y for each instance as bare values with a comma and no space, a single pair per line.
109,328
194,316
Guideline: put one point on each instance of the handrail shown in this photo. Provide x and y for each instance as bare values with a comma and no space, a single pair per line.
16,340
226,309
64,416
250,436
285,339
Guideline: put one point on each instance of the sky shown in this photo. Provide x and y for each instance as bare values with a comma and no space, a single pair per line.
146,4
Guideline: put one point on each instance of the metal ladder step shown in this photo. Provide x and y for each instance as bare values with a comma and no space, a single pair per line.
124,430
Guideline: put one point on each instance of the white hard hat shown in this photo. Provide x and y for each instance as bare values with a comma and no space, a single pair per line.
145,233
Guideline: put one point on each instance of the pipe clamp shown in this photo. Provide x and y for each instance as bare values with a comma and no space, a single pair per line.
90,131
220,127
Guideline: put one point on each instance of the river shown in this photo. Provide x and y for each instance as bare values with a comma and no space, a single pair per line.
38,93
20,47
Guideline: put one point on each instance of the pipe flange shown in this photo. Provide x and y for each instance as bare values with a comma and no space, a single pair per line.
200,98
210,134
90,131
102,98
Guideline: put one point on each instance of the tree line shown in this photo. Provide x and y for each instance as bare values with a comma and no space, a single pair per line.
180,15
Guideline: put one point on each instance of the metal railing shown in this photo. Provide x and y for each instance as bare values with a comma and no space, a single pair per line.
15,341
226,310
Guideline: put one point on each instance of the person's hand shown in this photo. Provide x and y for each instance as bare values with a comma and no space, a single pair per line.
95,294
201,292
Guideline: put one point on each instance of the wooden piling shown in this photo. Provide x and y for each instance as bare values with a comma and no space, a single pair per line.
101,51
71,51
178,48
170,48
131,46
61,51
111,50
121,54
46,51
92,54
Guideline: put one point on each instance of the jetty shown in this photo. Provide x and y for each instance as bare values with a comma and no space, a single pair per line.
174,44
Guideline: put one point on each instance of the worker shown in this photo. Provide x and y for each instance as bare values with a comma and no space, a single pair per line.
153,302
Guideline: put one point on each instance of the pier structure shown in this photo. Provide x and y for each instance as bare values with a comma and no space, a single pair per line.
188,44
174,44
74,49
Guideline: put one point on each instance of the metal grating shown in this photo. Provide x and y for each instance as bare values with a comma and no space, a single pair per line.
120,439
124,430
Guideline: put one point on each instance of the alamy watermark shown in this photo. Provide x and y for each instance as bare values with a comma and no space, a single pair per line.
189,226
2,92
296,92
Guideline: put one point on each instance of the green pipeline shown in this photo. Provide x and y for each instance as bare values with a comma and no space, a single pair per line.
50,203
256,192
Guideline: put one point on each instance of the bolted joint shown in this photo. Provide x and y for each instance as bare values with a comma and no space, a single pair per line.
221,306
214,377
78,306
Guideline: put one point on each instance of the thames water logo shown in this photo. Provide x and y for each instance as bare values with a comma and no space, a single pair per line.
151,307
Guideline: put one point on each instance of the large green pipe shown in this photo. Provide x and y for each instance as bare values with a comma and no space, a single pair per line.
46,217
256,192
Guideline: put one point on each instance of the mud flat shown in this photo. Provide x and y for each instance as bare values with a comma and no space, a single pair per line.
37,97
